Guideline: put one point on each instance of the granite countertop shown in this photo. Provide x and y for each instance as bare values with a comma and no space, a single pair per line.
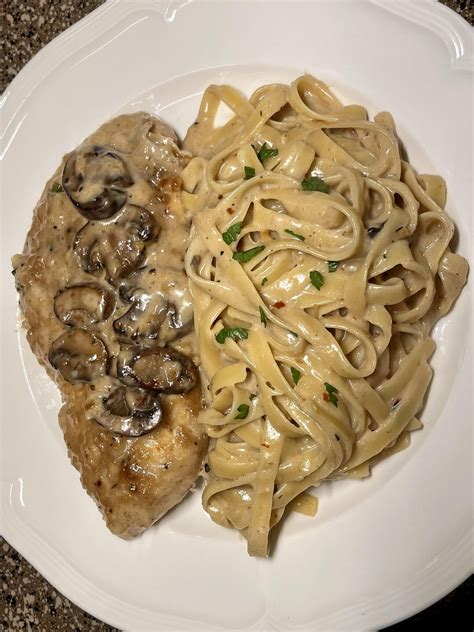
27,600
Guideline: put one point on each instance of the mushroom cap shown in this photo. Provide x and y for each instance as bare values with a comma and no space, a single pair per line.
161,369
131,412
79,356
95,178
83,304
145,317
124,410
118,247
161,306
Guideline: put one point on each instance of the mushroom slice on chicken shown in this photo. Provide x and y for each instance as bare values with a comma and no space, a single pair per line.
145,317
160,369
79,355
124,410
117,247
161,307
83,304
95,179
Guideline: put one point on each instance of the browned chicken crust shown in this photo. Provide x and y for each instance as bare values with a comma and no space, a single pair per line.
136,305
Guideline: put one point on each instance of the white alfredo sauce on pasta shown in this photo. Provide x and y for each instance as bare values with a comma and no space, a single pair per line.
319,262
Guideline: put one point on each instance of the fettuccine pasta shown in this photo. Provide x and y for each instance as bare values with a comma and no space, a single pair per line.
319,261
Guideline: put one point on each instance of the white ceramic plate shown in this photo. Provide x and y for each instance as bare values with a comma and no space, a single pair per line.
378,550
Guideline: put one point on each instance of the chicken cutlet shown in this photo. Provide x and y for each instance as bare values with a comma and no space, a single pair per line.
108,313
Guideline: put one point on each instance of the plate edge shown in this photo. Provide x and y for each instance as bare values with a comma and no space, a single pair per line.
112,5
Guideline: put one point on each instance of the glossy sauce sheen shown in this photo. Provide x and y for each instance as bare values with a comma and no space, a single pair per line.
134,480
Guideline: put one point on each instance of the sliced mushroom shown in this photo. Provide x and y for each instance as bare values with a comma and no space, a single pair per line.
160,369
144,318
131,412
83,305
126,411
119,247
161,307
79,355
95,179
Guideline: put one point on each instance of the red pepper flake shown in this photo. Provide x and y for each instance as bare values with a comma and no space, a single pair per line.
279,304
230,211
326,396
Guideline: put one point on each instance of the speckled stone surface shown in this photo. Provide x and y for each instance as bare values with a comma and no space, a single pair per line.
27,600
27,26
465,8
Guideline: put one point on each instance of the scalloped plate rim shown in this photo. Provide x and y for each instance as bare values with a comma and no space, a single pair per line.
19,538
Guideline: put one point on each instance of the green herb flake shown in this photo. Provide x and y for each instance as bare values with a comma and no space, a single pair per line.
243,411
232,233
290,232
236,333
252,396
333,266
263,316
245,256
314,184
331,391
333,399
296,375
264,280
249,172
317,279
57,187
266,153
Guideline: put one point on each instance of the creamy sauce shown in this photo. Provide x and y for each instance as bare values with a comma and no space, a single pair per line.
102,273
134,260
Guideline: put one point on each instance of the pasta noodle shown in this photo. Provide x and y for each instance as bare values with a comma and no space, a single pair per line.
319,261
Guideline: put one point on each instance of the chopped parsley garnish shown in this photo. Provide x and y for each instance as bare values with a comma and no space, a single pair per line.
236,333
333,266
330,393
57,187
317,279
243,411
244,256
232,233
290,232
295,374
263,316
264,280
314,183
267,152
252,396
249,172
